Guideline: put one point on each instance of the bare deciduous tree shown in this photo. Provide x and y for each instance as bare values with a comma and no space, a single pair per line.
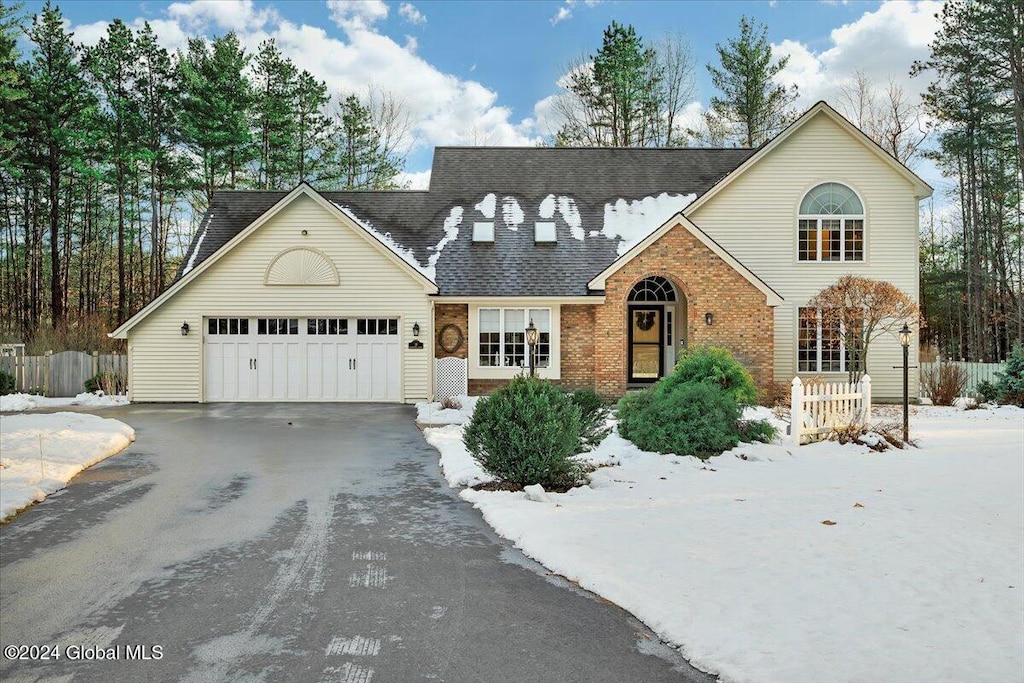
862,309
886,115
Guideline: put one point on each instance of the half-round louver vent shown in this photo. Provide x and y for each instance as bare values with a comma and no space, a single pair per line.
301,266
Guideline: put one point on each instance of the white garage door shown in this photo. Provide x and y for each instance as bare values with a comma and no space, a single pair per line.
302,359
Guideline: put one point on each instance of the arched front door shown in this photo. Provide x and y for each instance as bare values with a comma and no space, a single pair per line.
653,308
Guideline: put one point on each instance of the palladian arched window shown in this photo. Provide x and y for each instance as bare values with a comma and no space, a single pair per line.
831,224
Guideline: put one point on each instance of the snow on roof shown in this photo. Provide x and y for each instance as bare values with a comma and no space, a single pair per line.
487,205
632,221
547,207
512,213
195,252
400,251
451,232
567,207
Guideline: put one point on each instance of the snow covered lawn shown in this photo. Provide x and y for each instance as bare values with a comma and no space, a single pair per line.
918,574
70,442
15,403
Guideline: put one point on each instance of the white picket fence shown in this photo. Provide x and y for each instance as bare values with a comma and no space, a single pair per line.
818,409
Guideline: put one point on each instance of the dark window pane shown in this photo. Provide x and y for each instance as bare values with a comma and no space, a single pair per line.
361,326
243,326
293,326
211,326
343,326
393,326
261,326
222,325
233,326
272,326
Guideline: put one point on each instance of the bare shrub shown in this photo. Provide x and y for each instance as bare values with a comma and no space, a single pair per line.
944,384
84,333
451,403
774,394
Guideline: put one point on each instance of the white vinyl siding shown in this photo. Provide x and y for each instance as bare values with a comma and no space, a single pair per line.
755,218
165,366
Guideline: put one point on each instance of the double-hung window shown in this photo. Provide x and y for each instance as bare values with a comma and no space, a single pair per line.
820,345
502,337
831,225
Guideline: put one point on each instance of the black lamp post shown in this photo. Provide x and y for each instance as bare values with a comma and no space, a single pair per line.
905,341
531,341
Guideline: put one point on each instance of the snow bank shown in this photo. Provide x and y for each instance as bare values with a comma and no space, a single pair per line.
400,251
457,465
434,414
632,221
823,563
451,232
69,442
487,205
14,403
195,252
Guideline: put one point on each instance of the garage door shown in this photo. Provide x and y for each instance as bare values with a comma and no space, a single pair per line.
302,359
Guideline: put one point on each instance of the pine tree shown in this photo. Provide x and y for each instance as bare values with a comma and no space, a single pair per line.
274,117
362,161
58,102
312,142
756,107
215,110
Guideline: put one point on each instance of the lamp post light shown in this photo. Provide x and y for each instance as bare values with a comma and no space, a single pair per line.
905,342
531,341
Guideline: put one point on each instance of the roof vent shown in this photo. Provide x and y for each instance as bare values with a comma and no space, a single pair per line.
483,232
544,231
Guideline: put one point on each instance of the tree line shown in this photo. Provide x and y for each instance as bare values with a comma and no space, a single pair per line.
109,154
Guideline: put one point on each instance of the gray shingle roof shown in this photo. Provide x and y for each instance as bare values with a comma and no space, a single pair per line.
513,265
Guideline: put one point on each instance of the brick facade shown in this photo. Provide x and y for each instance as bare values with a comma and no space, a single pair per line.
743,322
451,314
594,337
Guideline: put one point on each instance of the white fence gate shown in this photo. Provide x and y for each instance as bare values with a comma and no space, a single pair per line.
818,409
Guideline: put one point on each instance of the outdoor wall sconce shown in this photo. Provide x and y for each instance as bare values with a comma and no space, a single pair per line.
415,329
184,329
709,318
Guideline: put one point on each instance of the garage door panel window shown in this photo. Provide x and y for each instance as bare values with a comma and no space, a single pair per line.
227,326
277,326
502,336
326,326
377,326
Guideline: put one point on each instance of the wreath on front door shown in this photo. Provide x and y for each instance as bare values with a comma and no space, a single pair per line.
645,320
450,338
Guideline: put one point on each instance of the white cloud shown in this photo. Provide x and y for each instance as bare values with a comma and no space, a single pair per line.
233,15
411,14
416,180
357,13
883,44
90,34
563,13
169,34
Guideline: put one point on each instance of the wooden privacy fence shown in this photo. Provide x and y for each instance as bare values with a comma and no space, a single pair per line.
976,373
818,409
61,374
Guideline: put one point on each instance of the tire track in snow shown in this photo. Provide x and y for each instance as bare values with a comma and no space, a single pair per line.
302,572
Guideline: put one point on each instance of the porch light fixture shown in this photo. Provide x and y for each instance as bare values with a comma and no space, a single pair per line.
415,329
531,340
904,335
184,329
709,318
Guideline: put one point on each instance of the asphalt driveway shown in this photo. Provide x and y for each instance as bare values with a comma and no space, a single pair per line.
298,542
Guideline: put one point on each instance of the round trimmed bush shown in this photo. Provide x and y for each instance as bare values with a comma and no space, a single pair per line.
688,418
527,432
715,366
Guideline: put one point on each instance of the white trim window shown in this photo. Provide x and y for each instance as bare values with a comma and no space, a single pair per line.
820,348
502,337
831,225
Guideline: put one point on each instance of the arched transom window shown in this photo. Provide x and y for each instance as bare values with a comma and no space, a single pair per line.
831,224
654,288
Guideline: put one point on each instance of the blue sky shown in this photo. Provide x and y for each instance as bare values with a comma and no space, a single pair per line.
485,72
